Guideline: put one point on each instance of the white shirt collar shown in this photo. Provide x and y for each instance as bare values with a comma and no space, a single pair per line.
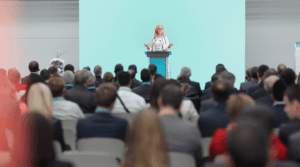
278,103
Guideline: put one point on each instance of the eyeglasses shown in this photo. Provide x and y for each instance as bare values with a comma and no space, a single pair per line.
160,28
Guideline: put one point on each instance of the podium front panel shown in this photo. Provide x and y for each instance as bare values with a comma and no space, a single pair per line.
160,63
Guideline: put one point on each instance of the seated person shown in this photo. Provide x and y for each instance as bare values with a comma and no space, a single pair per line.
69,78
146,87
102,123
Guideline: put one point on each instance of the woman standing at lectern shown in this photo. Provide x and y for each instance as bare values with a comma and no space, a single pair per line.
159,42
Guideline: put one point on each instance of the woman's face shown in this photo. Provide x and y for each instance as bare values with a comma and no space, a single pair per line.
160,30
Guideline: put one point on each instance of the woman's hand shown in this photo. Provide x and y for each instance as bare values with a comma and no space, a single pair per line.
147,45
170,45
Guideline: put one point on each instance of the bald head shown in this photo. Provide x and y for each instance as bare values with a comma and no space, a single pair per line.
82,77
98,70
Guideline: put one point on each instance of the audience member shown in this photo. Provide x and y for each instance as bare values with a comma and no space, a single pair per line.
292,108
207,93
102,123
45,74
127,100
146,87
135,83
289,76
53,70
216,117
153,72
219,67
268,86
69,78
69,67
180,136
118,68
260,72
87,68
92,83
63,109
278,106
14,77
280,68
80,95
236,103
34,69
254,80
146,142
108,78
189,90
32,79
156,87
98,73
186,71
248,75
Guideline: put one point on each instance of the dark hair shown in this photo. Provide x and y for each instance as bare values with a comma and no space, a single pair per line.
262,69
156,87
45,74
219,65
153,69
248,72
280,68
131,73
106,94
254,72
57,86
171,95
157,76
214,78
220,69
33,78
118,67
132,67
14,76
87,68
221,90
248,146
293,93
123,78
69,67
107,77
53,70
278,89
145,75
2,72
33,66
289,76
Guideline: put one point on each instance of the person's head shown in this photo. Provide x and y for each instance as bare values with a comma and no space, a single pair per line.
87,68
53,70
133,67
269,82
268,73
214,78
278,90
145,75
45,74
153,69
236,103
159,30
170,96
291,98
92,79
289,76
146,141
108,77
280,68
33,146
221,90
156,87
219,66
254,72
69,67
248,146
40,99
68,77
123,79
227,76
118,68
186,71
14,76
33,78
33,66
261,70
182,78
98,70
220,69
82,78
132,74
2,72
248,73
106,95
57,86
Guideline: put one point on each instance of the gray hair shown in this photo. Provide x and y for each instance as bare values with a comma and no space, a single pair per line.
68,76
227,76
186,71
81,78
92,79
98,70
269,82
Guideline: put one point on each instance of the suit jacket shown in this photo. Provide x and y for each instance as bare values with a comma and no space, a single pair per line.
267,100
102,125
25,80
208,94
207,104
93,90
135,84
99,81
207,85
280,115
196,85
182,136
83,97
252,89
212,119
192,92
144,91
69,87
287,130
259,93
245,85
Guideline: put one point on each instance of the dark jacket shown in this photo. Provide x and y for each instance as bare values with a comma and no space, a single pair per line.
252,89
196,85
212,119
83,97
280,115
144,91
102,125
207,85
99,80
287,130
245,85
135,84
25,80
266,100
259,93
69,86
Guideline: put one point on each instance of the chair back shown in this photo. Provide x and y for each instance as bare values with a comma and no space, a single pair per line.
182,159
57,148
205,145
294,146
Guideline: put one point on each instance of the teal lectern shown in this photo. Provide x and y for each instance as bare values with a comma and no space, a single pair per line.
160,59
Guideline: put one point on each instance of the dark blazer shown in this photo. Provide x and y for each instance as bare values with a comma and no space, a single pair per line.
206,91
245,85
259,93
207,104
69,87
144,91
196,85
99,80
212,119
92,89
207,85
280,115
267,100
83,97
102,125
252,89
192,92
135,84
25,80
206,97
287,130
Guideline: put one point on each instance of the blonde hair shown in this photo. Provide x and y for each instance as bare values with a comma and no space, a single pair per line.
146,142
40,100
